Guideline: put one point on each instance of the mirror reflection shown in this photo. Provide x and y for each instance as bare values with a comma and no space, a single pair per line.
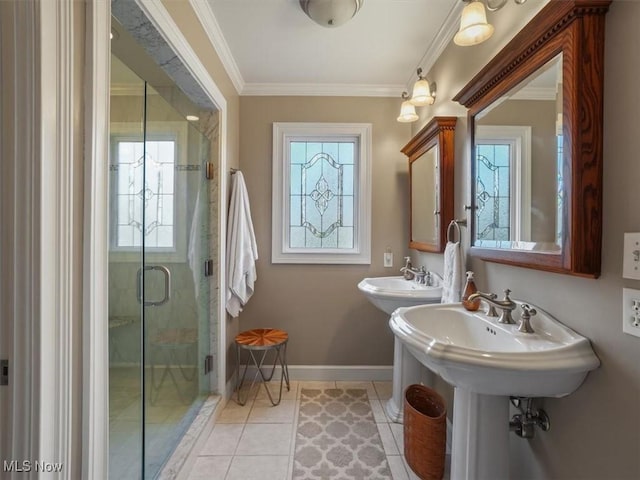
518,166
424,201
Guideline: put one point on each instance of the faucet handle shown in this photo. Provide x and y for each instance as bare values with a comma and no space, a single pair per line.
491,312
525,318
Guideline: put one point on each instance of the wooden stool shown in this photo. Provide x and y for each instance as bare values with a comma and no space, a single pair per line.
262,340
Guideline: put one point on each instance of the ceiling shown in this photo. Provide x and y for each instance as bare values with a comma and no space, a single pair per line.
271,47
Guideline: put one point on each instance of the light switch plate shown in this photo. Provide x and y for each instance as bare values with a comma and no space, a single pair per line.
631,256
631,311
388,260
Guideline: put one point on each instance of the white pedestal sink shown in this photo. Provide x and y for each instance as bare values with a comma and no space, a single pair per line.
389,293
487,362
407,370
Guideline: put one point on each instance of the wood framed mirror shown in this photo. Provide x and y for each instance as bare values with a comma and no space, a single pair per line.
431,163
535,125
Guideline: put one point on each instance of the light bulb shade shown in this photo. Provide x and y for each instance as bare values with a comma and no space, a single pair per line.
331,13
474,28
407,112
422,94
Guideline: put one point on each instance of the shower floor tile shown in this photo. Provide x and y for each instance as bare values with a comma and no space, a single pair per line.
167,418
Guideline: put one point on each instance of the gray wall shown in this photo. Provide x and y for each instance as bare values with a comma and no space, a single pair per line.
328,320
595,431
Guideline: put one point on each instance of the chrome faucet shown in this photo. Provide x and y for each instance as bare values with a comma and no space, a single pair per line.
421,276
506,304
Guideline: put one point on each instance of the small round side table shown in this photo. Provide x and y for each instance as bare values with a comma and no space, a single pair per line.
262,341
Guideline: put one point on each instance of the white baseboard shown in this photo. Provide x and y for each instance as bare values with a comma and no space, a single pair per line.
350,373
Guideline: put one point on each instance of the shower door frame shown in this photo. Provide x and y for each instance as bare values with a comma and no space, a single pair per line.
95,416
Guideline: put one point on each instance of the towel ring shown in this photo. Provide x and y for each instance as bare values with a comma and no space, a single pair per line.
456,229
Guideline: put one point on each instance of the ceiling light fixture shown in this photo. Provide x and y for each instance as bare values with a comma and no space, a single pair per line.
331,13
474,28
424,93
407,110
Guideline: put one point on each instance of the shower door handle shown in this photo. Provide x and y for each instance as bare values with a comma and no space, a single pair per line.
167,285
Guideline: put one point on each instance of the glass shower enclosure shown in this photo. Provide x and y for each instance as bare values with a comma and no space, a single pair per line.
161,274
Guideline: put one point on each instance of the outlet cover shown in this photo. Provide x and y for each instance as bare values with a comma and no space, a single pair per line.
631,256
388,260
631,311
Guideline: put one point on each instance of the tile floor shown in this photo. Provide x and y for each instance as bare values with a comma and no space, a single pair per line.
257,441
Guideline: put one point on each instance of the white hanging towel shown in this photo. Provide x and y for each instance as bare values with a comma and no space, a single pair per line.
242,250
452,277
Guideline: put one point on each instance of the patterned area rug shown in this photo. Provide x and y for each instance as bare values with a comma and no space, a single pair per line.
337,437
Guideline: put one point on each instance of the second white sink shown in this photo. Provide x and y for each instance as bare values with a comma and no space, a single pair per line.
389,293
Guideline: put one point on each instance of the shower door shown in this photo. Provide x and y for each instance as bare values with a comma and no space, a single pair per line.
161,282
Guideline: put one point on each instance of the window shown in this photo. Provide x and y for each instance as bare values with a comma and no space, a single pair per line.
503,183
154,184
321,193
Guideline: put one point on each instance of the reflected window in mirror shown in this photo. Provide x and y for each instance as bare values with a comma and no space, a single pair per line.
503,193
517,172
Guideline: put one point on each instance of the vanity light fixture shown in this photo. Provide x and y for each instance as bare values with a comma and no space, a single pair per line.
192,118
474,28
424,93
331,13
407,110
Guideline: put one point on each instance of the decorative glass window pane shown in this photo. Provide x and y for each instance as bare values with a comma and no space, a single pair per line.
493,215
560,192
156,194
503,183
318,189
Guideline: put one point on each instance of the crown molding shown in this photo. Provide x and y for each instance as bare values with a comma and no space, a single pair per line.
207,19
211,27
321,90
440,42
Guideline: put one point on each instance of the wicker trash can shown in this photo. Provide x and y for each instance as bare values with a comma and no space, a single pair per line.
425,432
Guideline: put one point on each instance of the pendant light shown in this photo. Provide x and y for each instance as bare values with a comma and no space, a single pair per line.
474,28
424,93
407,110
331,13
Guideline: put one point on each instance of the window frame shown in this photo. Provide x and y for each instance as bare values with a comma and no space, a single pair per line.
283,134
171,130
518,137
